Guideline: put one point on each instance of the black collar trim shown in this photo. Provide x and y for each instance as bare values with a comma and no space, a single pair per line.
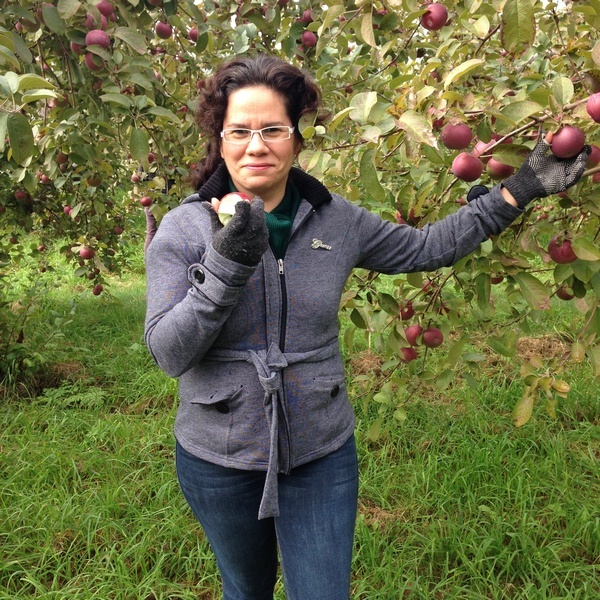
310,188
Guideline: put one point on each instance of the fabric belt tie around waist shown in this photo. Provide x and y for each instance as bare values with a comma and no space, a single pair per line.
269,365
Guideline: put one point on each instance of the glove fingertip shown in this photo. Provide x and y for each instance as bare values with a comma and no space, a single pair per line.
241,208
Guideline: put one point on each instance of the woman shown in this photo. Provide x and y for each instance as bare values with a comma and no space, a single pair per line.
246,316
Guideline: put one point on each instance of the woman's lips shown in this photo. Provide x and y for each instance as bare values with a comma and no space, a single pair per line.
258,166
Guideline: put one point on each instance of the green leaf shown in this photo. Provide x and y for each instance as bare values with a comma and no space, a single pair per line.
38,95
396,342
3,126
483,288
563,90
389,304
6,56
505,345
578,351
119,99
585,250
138,146
593,353
11,82
455,351
518,26
21,49
482,27
534,291
7,40
339,117
52,19
369,177
159,111
519,111
31,81
523,409
67,8
445,379
585,270
417,127
363,104
462,70
141,80
20,137
330,15
400,414
471,381
375,429
132,38
366,29
357,318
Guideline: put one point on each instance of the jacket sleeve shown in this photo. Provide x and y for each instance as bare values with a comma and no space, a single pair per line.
392,248
190,290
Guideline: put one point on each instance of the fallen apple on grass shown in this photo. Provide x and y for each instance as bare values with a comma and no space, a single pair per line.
226,208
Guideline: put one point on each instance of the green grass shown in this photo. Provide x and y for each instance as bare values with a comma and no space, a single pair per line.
455,503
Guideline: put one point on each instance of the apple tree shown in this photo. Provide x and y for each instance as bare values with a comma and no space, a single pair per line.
426,99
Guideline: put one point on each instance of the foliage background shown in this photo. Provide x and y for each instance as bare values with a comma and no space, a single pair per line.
73,137
454,502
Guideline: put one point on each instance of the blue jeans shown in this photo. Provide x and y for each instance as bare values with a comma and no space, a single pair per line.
314,531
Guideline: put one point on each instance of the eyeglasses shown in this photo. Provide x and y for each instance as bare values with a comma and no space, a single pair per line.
268,134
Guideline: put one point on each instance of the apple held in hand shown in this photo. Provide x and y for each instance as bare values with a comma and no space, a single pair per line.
567,142
227,205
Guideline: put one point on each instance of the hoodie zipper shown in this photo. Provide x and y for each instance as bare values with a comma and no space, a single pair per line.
283,327
282,334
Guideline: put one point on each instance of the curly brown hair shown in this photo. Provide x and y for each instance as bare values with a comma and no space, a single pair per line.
299,91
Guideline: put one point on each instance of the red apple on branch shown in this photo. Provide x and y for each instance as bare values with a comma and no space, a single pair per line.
93,62
413,333
407,312
163,30
594,157
456,136
561,251
498,170
467,167
97,37
565,293
435,17
105,8
593,107
309,39
433,337
408,354
86,252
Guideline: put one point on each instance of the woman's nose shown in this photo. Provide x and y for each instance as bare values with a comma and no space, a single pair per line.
256,142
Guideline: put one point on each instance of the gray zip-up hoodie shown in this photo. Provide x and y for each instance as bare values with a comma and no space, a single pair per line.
256,351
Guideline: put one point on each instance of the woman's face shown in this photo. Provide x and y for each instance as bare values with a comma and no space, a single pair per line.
259,168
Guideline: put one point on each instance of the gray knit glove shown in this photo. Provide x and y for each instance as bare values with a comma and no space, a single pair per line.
543,174
245,238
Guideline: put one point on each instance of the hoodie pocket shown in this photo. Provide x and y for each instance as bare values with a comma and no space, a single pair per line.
220,399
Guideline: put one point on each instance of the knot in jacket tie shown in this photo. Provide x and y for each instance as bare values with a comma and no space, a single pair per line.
269,365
